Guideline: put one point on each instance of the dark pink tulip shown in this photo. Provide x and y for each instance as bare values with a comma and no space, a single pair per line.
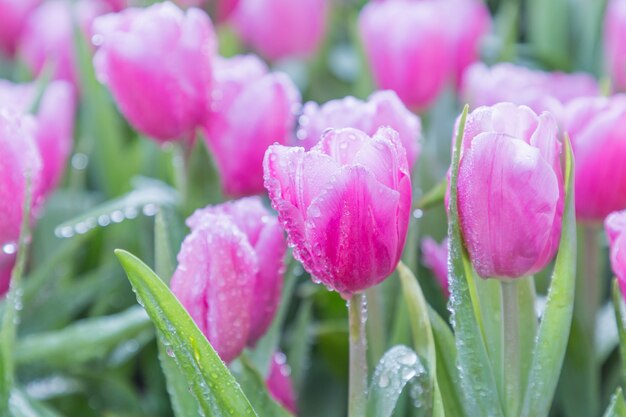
281,28
253,108
54,124
157,63
6,268
597,127
539,90
435,257
49,36
13,15
229,273
510,192
382,108
615,226
225,8
19,159
279,383
615,42
345,205
408,49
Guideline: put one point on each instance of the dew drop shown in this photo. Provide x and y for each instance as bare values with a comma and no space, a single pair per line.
97,39
79,161
9,248
417,213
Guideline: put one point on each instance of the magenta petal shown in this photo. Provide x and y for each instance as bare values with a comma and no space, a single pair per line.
435,257
508,200
354,232
216,272
279,383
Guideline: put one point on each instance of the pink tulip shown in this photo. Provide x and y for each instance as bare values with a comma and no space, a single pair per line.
281,28
157,63
615,226
279,383
229,274
510,192
345,205
6,268
49,36
14,14
614,42
539,90
19,159
383,108
252,109
597,127
408,48
435,257
54,124
225,8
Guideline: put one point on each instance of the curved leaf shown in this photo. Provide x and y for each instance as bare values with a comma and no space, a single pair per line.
477,376
399,366
617,406
209,380
620,317
554,330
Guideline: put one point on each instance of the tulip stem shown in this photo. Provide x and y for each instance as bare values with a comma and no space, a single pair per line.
511,354
357,311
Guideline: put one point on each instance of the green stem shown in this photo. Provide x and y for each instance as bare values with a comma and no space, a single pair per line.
357,308
592,278
511,353
376,332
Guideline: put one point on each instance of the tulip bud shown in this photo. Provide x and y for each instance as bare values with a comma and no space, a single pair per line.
14,15
615,226
345,205
49,36
157,64
19,160
539,90
229,273
281,28
435,257
614,46
383,108
54,124
279,383
510,190
252,109
597,127
408,49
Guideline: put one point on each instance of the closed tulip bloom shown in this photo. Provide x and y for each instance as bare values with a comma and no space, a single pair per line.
281,28
279,383
510,192
14,15
614,42
48,39
54,124
345,205
229,274
597,128
19,160
253,108
615,226
382,108
435,257
539,90
157,63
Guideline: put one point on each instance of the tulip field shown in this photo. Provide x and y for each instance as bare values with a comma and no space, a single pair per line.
313,208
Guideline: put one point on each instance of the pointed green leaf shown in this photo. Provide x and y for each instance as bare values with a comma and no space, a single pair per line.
554,330
477,377
434,196
213,386
397,368
620,316
22,405
617,406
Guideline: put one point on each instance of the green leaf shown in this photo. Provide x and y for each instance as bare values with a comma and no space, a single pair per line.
423,339
21,405
434,196
148,195
84,340
397,368
477,377
620,316
209,380
554,330
548,32
184,403
300,343
13,305
617,406
255,389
